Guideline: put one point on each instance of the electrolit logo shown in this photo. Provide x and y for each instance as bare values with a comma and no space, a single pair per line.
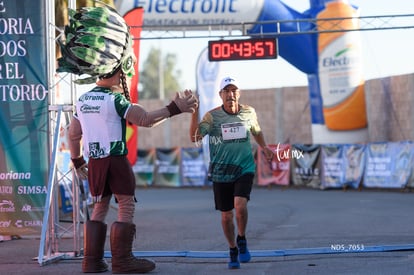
340,70
340,58
203,6
164,13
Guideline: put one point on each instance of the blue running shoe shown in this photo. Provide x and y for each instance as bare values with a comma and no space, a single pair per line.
234,259
244,255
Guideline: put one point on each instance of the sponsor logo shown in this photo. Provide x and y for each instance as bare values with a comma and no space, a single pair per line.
91,97
85,109
7,206
27,208
30,208
15,176
5,224
161,13
33,223
19,223
95,150
29,190
6,189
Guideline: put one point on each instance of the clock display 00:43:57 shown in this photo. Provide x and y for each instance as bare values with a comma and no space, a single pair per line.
242,49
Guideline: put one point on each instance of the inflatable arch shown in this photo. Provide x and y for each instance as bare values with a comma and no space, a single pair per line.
331,60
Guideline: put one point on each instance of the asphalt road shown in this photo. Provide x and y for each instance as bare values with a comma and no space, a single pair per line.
290,231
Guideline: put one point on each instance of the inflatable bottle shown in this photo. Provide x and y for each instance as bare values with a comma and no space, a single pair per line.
340,68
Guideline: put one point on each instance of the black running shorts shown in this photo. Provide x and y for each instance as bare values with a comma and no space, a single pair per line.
224,192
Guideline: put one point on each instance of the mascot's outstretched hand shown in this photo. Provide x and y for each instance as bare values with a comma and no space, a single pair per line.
183,102
186,101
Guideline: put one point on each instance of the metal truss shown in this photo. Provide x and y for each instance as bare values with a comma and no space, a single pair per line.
54,228
296,27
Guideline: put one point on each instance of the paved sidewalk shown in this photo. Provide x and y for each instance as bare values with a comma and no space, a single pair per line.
290,231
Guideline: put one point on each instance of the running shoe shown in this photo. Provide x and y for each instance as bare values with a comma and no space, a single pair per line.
244,254
234,259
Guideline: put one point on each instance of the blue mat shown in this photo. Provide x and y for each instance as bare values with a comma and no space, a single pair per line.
275,253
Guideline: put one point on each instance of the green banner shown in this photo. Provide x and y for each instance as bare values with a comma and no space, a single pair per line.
167,167
23,116
144,167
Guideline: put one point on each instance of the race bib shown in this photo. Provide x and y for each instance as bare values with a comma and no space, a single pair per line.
235,130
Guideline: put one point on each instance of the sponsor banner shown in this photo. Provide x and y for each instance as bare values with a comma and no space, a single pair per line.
193,169
388,165
333,168
306,169
403,160
354,156
144,167
208,83
167,167
160,14
410,182
277,171
24,147
342,165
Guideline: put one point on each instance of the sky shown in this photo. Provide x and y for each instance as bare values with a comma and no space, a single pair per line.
385,52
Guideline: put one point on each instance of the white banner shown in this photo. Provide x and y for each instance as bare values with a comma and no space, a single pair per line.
164,13
208,82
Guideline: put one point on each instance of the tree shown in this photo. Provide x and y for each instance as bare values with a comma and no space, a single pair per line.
151,84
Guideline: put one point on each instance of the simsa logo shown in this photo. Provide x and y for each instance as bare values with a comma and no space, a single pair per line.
29,190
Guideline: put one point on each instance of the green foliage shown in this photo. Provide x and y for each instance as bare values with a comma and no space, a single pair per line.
149,76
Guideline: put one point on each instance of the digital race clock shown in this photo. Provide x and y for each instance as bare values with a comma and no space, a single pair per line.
242,49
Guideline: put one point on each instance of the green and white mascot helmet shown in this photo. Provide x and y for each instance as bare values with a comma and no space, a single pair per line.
98,43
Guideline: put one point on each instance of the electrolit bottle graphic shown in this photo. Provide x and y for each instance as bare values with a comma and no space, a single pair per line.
340,67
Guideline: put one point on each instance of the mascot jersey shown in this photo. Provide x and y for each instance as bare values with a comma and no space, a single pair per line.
103,109
229,142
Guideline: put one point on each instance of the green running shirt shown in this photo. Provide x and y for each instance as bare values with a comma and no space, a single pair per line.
229,142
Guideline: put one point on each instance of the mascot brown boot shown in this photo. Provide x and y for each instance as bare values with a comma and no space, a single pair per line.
123,261
94,243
